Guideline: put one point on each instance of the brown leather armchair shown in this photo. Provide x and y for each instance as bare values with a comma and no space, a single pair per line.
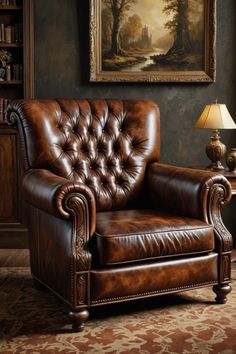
108,223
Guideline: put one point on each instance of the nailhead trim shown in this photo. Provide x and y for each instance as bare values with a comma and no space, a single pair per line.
153,292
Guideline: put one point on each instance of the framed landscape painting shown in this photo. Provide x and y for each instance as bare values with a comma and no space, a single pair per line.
152,40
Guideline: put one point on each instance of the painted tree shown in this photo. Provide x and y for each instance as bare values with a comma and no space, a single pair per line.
178,25
118,9
196,24
130,31
107,22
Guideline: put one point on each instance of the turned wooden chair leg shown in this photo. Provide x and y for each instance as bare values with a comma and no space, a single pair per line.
78,319
221,290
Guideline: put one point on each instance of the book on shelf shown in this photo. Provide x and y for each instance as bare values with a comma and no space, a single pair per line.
17,72
2,33
11,34
8,72
13,72
3,108
18,32
9,2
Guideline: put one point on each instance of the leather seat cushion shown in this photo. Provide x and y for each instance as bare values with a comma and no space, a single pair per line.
137,235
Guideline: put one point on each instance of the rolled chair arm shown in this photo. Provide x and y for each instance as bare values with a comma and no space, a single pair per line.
58,196
197,194
188,192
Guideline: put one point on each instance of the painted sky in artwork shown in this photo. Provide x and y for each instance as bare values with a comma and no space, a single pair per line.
151,13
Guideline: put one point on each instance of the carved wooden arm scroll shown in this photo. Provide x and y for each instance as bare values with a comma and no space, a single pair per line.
219,195
76,204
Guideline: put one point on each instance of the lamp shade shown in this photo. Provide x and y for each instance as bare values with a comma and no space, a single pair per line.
215,116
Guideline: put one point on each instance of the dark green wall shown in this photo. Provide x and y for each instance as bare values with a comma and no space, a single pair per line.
62,63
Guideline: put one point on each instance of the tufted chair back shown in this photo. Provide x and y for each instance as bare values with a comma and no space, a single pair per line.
105,144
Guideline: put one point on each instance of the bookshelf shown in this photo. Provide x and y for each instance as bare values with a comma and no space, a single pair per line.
16,81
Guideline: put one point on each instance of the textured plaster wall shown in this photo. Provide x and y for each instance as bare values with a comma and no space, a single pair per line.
62,63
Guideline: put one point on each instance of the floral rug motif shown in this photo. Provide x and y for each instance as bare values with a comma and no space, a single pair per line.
191,322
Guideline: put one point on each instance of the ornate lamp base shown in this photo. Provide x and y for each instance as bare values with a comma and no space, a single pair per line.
216,166
215,151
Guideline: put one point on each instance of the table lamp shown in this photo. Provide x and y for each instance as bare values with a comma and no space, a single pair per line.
215,116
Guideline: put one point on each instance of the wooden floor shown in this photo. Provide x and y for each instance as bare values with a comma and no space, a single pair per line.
20,258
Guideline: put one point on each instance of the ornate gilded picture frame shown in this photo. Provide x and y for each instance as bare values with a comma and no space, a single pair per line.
152,40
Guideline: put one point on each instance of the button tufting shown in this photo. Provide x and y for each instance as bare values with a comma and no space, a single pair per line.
88,181
91,130
84,148
102,149
93,165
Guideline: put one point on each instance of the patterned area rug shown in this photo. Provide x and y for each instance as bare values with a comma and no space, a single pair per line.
191,322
